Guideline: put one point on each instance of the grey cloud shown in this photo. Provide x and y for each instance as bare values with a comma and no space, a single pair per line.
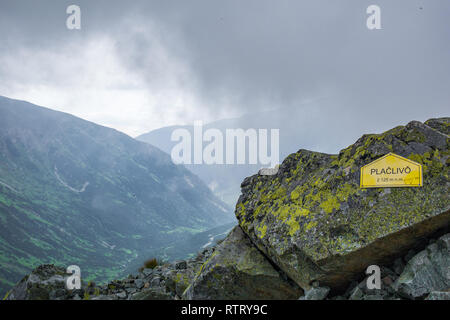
262,54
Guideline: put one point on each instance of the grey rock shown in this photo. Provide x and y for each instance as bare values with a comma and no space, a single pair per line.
356,294
131,291
122,295
427,271
180,265
350,288
438,295
147,272
176,282
316,293
439,124
44,283
361,292
170,284
104,297
237,270
58,294
152,294
79,292
385,271
398,266
411,253
139,283
373,297
156,281
181,287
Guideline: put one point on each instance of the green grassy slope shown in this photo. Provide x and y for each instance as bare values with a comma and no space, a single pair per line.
73,192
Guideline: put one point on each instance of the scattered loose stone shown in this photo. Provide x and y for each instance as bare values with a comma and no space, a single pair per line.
316,293
427,271
180,265
439,295
237,270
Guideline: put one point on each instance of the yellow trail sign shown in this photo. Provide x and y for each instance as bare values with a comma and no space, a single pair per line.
391,170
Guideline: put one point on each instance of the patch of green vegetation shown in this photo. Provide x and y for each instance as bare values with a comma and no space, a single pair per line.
40,243
6,201
184,229
127,251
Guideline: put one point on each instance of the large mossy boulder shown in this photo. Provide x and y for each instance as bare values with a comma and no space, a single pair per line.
315,223
237,270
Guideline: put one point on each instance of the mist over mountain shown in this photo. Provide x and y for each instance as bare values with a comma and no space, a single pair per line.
73,192
304,127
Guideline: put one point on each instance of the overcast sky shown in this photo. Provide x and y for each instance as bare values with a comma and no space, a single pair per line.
140,65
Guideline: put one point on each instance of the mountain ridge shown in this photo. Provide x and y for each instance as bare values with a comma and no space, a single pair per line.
68,184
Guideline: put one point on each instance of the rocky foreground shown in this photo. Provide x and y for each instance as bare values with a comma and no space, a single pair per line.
309,232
